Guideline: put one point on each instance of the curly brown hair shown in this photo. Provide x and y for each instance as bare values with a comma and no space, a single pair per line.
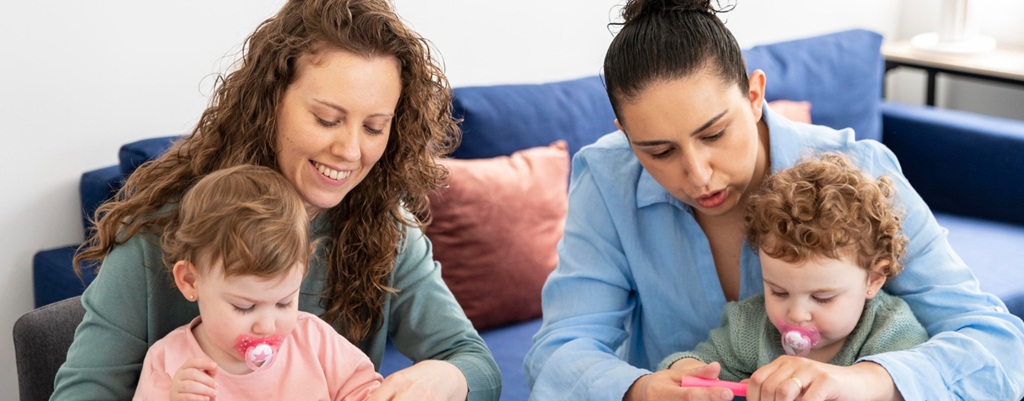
365,231
247,216
825,206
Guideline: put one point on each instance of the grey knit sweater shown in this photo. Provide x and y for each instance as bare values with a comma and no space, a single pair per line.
747,340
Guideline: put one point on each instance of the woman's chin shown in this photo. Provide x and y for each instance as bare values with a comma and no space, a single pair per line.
315,205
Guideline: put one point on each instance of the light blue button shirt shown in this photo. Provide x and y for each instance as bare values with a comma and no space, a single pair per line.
636,281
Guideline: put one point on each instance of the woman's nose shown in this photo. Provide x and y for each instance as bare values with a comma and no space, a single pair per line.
697,170
345,143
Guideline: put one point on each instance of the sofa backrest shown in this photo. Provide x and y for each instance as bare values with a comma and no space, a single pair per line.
97,186
840,74
501,119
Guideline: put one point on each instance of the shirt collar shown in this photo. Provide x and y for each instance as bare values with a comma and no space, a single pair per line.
649,192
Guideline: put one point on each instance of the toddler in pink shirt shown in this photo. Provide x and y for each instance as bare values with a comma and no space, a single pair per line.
240,248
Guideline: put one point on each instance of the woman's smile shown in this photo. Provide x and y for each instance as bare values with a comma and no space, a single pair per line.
335,175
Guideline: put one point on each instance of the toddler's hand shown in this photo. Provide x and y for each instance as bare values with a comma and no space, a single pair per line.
795,378
194,381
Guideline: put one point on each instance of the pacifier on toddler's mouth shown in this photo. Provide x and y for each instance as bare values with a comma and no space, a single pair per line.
258,352
799,340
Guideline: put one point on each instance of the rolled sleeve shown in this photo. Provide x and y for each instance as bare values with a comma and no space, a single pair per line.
587,302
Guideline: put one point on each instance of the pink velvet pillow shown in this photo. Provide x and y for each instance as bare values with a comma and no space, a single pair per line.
495,231
796,111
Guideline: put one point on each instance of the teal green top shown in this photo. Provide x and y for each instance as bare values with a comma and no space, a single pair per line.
133,302
747,340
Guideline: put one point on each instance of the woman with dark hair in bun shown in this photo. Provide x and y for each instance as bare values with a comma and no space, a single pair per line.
654,241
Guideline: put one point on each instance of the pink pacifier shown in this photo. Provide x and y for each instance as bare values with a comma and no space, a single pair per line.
258,352
798,341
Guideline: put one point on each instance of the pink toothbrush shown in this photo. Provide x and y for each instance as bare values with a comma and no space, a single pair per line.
738,389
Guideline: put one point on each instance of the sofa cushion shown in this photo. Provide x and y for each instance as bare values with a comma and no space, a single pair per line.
839,73
796,111
96,187
495,231
132,155
501,119
508,345
993,251
53,278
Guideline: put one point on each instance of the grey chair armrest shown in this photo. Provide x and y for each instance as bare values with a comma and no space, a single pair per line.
41,341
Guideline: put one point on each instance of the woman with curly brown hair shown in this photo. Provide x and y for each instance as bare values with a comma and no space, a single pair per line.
351,107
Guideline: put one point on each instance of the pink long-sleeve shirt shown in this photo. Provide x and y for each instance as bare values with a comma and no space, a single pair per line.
313,363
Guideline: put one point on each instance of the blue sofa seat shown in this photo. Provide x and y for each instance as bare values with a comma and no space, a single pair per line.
994,252
509,345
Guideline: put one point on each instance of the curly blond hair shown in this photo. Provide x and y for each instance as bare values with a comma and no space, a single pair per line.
363,233
249,217
825,206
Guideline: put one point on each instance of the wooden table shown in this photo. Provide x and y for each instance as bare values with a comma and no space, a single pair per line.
1004,65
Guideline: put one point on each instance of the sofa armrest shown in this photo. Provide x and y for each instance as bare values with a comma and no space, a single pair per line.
960,162
96,187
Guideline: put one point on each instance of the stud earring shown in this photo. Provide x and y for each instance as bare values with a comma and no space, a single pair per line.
869,293
192,297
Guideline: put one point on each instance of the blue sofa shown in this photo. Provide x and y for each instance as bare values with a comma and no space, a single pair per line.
966,166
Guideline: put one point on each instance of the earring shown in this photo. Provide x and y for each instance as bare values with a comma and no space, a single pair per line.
191,297
869,293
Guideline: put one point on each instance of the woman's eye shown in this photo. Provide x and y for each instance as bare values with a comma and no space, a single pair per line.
715,137
325,123
245,310
662,154
372,131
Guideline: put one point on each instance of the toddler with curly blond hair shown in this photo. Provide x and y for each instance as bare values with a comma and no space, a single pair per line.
828,238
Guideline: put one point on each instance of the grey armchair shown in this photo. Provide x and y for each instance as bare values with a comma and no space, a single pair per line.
41,341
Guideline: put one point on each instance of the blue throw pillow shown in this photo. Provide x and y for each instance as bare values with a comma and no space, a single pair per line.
840,74
132,155
96,187
501,119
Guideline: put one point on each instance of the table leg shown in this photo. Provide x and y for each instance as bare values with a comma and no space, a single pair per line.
930,96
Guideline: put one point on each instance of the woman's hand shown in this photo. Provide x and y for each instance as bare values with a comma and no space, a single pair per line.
665,385
794,378
194,380
427,380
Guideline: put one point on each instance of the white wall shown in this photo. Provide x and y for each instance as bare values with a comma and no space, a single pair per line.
78,79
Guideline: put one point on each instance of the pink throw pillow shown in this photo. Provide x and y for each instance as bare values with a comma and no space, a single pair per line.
793,110
495,231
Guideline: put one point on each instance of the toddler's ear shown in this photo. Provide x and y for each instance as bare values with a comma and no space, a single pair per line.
185,276
876,279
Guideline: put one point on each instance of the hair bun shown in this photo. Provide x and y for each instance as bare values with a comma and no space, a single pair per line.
637,8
